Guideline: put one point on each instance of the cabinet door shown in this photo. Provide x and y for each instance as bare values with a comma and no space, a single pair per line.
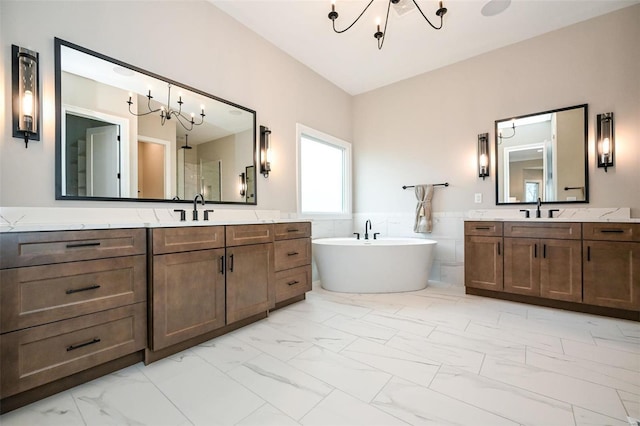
483,262
249,281
522,266
612,274
561,270
188,295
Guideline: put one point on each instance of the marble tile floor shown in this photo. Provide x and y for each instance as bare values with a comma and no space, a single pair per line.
431,357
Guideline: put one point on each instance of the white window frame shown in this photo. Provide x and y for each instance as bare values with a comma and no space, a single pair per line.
347,165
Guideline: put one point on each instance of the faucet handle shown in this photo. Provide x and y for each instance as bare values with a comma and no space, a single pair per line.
183,216
206,214
553,210
526,213
375,235
357,234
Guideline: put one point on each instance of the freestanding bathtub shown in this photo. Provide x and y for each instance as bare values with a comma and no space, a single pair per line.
387,265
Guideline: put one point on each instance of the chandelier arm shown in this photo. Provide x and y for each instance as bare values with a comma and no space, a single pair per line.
427,19
386,22
141,114
179,118
353,23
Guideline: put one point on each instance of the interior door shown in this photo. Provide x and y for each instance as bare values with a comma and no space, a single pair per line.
103,161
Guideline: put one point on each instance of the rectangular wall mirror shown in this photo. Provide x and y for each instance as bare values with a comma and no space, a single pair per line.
543,155
113,142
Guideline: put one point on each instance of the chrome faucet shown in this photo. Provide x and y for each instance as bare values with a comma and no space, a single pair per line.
367,228
195,205
538,208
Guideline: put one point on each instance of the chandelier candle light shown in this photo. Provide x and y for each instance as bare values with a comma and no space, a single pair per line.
166,112
380,34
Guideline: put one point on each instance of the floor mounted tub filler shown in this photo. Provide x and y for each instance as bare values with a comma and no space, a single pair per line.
386,265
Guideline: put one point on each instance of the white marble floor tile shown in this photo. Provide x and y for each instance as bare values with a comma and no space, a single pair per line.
339,305
436,317
267,415
361,328
355,378
585,417
203,393
410,325
418,405
631,403
453,356
535,340
517,404
467,340
226,352
399,363
317,334
283,386
272,341
609,356
606,375
556,329
629,328
310,311
616,341
125,397
340,408
57,410
598,398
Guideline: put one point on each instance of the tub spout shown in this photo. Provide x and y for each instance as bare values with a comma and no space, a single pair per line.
367,228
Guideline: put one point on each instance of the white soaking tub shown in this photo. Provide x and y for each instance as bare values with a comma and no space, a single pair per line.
386,265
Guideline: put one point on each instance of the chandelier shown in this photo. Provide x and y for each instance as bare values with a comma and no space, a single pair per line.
380,34
167,113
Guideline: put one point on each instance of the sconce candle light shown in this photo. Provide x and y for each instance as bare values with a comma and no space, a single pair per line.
26,94
483,155
265,151
243,184
605,141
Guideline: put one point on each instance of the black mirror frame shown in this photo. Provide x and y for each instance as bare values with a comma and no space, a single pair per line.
586,155
58,44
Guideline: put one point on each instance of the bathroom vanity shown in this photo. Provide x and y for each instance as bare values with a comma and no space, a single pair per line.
590,267
79,304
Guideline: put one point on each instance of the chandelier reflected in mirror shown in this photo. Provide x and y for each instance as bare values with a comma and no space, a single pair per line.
399,5
167,112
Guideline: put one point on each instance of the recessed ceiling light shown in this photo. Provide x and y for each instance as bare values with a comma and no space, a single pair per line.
495,7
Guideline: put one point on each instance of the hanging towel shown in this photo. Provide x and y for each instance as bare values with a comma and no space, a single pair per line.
424,195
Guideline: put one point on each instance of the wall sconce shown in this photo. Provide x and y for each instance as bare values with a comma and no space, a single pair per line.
265,151
605,141
243,184
483,155
26,94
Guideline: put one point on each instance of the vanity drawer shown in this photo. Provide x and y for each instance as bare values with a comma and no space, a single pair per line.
288,231
292,282
562,230
39,355
42,248
240,235
611,231
175,240
41,294
292,253
489,229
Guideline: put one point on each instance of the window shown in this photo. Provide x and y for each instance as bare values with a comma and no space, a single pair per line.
324,174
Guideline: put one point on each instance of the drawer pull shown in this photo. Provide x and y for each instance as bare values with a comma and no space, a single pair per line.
82,345
78,290
293,282
612,231
293,253
293,230
482,228
76,245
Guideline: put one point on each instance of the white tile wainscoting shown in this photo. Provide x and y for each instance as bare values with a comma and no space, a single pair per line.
430,357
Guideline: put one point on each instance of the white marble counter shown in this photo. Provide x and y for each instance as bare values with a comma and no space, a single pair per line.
17,219
615,214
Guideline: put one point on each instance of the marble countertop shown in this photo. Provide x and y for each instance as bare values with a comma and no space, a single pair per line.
555,219
588,214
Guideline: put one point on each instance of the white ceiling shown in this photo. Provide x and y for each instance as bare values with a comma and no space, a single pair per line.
352,60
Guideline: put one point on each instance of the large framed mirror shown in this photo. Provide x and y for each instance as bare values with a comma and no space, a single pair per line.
123,133
543,155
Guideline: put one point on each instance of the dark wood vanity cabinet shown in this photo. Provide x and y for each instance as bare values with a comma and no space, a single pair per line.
70,301
292,261
612,265
483,253
544,267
